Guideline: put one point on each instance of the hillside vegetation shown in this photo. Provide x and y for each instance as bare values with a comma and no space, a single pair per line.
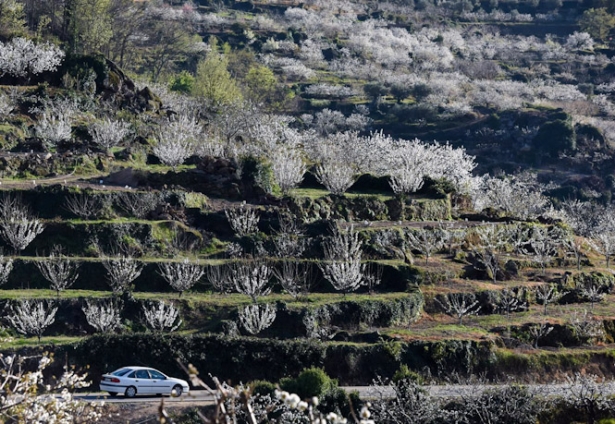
367,187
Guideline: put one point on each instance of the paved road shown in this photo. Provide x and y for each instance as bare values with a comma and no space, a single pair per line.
365,392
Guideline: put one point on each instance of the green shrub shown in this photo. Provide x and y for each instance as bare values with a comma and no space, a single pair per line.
310,382
405,373
555,137
338,400
262,387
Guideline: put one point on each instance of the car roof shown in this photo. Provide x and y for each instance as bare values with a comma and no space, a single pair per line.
134,367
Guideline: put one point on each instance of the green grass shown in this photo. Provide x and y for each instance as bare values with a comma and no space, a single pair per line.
317,193
20,342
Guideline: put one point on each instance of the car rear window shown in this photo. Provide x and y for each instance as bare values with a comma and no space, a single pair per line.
121,372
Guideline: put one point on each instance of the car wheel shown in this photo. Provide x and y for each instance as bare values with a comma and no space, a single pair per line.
112,394
177,390
130,392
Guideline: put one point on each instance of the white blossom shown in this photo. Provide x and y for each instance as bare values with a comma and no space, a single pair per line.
161,316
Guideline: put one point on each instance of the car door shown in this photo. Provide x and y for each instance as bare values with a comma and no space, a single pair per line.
142,382
160,383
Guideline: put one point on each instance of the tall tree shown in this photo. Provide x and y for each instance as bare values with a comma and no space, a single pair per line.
597,23
89,25
213,80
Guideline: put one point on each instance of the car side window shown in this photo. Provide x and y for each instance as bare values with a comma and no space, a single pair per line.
132,374
157,375
141,374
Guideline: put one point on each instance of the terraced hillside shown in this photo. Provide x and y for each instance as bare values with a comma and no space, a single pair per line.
247,197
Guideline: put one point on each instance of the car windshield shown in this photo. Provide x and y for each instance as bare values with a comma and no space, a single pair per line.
121,372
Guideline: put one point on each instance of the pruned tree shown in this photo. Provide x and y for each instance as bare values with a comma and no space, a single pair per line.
575,246
108,133
219,278
6,266
17,226
138,204
548,293
591,290
603,242
32,317
243,219
588,394
161,316
459,305
342,265
543,246
586,327
452,237
539,331
288,240
512,300
181,275
121,272
60,271
426,240
491,245
294,277
251,278
104,316
83,205
372,276
256,318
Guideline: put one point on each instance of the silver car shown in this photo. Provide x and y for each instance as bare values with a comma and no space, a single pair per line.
134,381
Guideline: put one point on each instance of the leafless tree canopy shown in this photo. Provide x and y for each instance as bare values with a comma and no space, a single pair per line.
219,277
251,278
459,305
181,275
294,277
60,271
138,205
83,205
121,272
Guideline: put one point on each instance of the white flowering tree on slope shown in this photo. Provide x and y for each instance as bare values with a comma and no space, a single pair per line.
17,226
31,317
121,272
161,316
177,140
181,275
342,265
108,133
104,316
21,57
339,160
60,271
255,318
251,278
